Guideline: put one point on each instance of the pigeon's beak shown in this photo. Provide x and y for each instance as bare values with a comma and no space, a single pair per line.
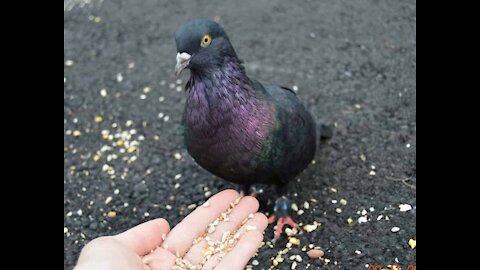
183,59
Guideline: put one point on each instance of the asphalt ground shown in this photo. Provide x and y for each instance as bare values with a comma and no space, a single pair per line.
353,63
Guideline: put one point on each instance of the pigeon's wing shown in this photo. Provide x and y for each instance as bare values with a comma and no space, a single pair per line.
294,136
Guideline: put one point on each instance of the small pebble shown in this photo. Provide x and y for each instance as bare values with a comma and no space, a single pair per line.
147,90
294,207
310,228
395,229
255,262
362,219
412,243
405,207
315,253
108,200
98,119
119,77
69,63
306,205
177,156
338,210
294,241
112,214
358,252
343,202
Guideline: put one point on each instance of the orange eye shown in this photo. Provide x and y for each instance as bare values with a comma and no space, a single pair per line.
206,40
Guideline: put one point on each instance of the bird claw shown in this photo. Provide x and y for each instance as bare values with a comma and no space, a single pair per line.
280,223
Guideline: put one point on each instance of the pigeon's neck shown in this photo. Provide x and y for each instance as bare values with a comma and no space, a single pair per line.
221,88
225,99
230,74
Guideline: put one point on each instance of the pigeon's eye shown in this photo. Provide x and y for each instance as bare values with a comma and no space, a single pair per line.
206,40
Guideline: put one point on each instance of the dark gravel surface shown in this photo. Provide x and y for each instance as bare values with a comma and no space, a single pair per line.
354,64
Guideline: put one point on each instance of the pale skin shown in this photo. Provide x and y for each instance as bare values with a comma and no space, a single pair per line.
132,249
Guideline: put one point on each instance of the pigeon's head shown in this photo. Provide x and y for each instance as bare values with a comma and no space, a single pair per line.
201,45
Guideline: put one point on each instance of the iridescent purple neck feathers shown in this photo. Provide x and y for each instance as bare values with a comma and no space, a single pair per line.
221,96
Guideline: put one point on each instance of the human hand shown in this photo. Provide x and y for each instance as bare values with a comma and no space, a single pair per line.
195,243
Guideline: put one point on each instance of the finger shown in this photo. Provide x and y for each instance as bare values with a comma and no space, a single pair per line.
181,238
251,235
247,205
144,237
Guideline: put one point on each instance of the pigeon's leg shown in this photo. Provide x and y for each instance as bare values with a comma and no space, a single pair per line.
280,213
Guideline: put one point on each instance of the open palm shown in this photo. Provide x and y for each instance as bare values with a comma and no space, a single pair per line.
224,233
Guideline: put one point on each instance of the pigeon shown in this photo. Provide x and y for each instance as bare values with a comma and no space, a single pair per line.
240,129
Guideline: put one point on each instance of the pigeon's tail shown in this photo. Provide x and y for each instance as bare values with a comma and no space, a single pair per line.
325,131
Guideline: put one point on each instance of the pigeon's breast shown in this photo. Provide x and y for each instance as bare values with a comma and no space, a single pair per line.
227,130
